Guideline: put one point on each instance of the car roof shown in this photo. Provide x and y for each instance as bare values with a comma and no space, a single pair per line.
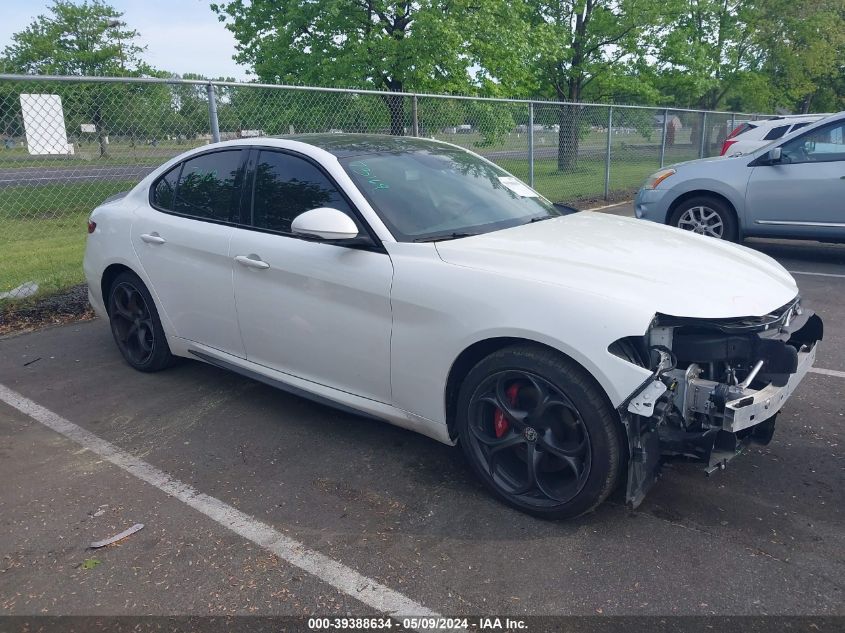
791,118
345,145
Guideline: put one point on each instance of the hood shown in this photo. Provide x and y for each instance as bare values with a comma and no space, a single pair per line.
645,265
711,159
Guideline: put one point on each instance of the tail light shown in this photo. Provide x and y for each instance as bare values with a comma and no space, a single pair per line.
726,146
736,130
92,226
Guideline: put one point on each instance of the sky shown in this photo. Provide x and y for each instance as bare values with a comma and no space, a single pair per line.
181,36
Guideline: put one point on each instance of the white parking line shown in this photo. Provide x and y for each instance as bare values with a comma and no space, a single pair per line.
343,578
804,272
827,372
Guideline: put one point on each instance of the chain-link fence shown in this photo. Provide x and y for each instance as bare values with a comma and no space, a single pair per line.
68,143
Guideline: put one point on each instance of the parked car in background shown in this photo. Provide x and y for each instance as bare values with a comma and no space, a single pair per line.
793,187
750,136
418,283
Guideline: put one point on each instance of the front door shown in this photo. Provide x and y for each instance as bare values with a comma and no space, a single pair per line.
315,310
802,196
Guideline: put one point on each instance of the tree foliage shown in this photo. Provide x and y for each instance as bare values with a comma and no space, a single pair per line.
88,38
392,46
747,55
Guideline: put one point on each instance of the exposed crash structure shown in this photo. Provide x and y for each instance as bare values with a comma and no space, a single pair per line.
717,385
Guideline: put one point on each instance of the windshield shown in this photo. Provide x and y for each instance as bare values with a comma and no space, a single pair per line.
443,193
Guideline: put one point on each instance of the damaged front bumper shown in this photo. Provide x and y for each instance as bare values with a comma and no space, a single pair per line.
716,387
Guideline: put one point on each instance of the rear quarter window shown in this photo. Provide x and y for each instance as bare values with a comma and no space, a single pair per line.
776,132
164,189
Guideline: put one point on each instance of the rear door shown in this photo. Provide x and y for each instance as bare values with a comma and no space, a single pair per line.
802,196
316,310
182,240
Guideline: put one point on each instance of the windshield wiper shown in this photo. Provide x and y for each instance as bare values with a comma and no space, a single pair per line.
444,237
540,218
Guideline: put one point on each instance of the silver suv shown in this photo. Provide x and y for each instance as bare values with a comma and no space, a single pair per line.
793,187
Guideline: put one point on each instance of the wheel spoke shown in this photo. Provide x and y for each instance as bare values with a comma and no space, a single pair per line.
532,460
122,303
548,443
144,344
515,417
131,332
495,443
499,399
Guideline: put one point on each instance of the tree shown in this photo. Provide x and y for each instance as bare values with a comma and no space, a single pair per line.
560,48
78,39
391,46
707,49
75,39
802,49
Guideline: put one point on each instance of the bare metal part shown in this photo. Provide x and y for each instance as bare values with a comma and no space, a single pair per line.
643,403
661,336
751,375
755,407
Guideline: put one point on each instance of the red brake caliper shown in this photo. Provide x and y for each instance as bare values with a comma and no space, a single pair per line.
500,422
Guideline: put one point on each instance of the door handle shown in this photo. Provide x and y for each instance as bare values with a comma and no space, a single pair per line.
152,238
252,261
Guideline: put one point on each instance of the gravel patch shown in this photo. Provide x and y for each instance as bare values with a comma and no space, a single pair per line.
55,309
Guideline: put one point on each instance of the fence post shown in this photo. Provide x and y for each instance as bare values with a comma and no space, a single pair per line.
607,154
733,122
415,122
531,143
703,134
212,113
663,138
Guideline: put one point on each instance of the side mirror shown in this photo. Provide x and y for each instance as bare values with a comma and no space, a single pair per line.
774,156
325,223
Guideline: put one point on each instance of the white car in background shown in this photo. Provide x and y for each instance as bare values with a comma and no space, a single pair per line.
418,283
750,136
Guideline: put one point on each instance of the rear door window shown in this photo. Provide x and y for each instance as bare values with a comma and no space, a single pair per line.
209,186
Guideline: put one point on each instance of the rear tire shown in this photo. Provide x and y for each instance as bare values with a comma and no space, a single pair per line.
136,326
706,215
539,432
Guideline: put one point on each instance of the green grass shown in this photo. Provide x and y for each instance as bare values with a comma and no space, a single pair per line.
42,233
586,181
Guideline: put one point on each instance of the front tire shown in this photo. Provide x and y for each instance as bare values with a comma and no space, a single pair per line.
706,215
136,326
539,432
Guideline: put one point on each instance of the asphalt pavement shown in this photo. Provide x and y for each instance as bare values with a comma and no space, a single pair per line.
766,536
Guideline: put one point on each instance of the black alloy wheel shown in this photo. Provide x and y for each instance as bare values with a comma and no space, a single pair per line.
531,438
136,326
540,432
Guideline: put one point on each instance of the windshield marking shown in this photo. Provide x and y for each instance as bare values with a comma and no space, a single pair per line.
362,169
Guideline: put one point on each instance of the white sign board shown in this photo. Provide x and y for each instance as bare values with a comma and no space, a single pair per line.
88,128
44,123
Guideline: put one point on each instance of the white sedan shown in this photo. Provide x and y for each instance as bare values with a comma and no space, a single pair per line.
416,282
